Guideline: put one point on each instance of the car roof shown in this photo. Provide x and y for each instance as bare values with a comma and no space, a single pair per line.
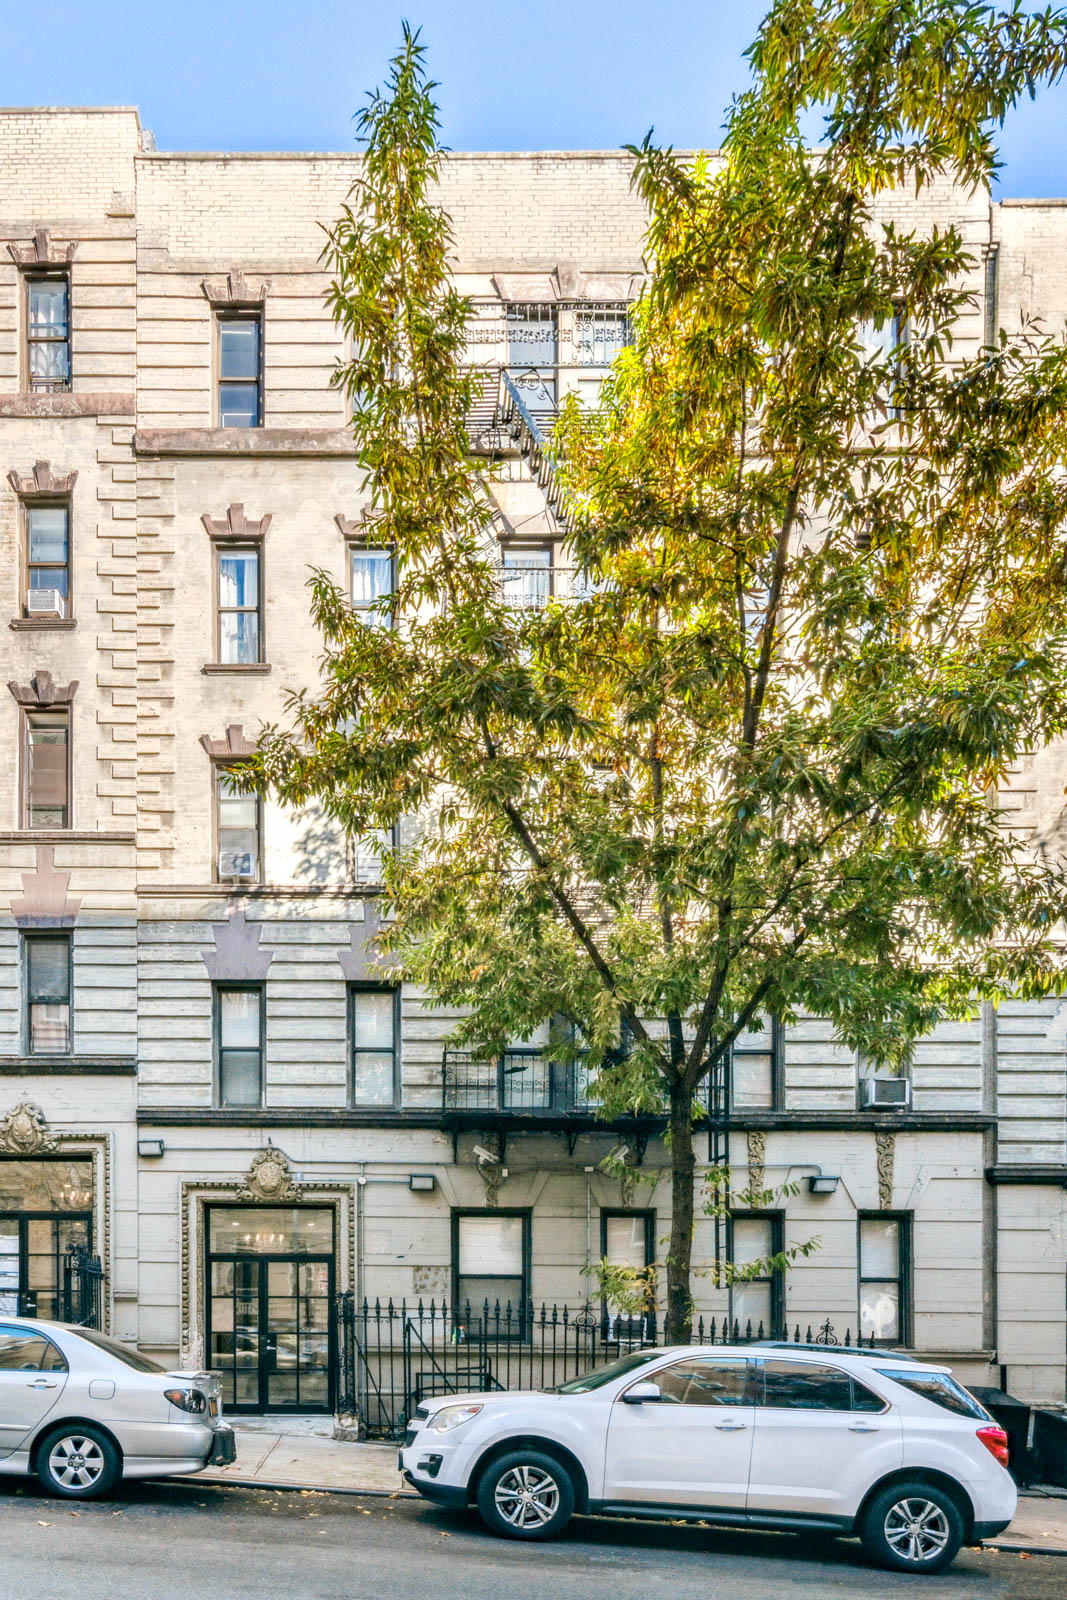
879,1359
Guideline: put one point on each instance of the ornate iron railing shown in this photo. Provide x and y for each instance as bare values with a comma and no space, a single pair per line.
392,1357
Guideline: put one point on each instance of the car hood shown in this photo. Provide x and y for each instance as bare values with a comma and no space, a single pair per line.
482,1397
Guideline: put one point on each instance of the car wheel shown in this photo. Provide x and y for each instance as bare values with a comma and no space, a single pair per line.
78,1463
913,1527
526,1495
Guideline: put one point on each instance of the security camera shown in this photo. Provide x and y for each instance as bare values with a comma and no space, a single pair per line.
485,1155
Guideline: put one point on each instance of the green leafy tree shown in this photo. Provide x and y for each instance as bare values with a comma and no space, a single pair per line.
750,772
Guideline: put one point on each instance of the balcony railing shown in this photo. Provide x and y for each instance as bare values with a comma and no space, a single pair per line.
520,1081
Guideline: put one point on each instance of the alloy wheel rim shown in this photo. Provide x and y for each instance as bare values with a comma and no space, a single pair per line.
76,1462
917,1529
527,1497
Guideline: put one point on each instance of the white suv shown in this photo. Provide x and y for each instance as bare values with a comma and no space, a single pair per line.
866,1443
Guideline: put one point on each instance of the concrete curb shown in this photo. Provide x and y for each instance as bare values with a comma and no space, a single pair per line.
192,1482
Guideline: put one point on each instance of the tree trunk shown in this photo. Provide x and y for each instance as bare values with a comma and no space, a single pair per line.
679,1323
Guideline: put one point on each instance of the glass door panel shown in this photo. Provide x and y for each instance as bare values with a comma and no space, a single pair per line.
9,1266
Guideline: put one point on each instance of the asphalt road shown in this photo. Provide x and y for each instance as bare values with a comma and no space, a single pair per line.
190,1541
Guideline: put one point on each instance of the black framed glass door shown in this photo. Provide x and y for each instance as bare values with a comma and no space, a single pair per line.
270,1292
32,1250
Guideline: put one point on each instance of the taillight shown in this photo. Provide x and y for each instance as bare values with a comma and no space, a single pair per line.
996,1442
187,1400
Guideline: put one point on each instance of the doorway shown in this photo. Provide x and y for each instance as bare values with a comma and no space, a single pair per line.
270,1295
45,1212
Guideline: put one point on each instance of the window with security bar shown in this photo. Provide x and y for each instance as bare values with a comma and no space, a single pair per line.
526,576
48,365
533,354
47,965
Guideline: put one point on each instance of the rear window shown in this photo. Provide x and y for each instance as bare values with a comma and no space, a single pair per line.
122,1352
943,1391
807,1386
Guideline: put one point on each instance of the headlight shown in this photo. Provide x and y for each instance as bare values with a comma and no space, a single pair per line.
450,1417
187,1400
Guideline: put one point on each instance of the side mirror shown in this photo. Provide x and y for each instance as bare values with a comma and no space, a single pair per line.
640,1394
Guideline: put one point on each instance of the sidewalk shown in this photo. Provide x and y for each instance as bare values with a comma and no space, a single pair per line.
291,1460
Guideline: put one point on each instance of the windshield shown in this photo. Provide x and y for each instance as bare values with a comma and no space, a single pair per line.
122,1352
943,1391
614,1369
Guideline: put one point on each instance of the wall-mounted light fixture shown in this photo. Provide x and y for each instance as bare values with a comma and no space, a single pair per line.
422,1182
150,1149
823,1183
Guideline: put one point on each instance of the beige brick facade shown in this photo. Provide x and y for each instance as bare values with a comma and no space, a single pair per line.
977,1166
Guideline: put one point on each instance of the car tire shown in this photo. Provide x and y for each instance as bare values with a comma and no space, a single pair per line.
913,1527
78,1463
526,1494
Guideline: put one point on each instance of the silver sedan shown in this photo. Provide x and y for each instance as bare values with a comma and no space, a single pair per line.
82,1411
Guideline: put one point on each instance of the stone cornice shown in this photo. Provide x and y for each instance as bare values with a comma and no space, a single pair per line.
234,745
42,692
235,527
41,481
43,251
236,290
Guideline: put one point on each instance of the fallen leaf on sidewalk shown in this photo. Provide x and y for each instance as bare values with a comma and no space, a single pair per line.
41,1524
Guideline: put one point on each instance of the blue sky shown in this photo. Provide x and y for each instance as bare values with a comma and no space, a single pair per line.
558,74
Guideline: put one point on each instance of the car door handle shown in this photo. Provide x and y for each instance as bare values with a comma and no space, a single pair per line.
42,1383
731,1427
862,1427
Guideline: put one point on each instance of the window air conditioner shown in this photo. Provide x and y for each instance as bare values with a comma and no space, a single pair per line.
237,864
885,1093
45,603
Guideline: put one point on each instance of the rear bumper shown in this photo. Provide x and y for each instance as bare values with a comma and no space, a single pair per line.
989,1530
442,1494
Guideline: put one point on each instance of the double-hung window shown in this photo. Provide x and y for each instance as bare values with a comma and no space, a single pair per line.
240,599
47,988
755,1237
756,1068
239,1044
491,1268
240,361
627,1239
46,769
373,582
884,1277
373,1033
238,829
47,545
48,333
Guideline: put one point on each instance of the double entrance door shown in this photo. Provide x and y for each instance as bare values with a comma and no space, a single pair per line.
269,1323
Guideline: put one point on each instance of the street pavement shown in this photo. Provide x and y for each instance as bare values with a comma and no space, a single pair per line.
193,1540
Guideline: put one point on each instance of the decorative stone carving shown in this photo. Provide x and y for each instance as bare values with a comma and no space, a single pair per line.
885,1148
359,532
41,691
757,1158
235,744
42,480
237,955
236,526
43,252
45,902
269,1178
25,1132
236,290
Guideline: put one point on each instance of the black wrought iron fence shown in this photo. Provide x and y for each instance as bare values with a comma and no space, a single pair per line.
392,1357
82,1295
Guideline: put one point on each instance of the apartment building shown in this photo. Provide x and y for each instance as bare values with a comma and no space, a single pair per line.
203,1080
